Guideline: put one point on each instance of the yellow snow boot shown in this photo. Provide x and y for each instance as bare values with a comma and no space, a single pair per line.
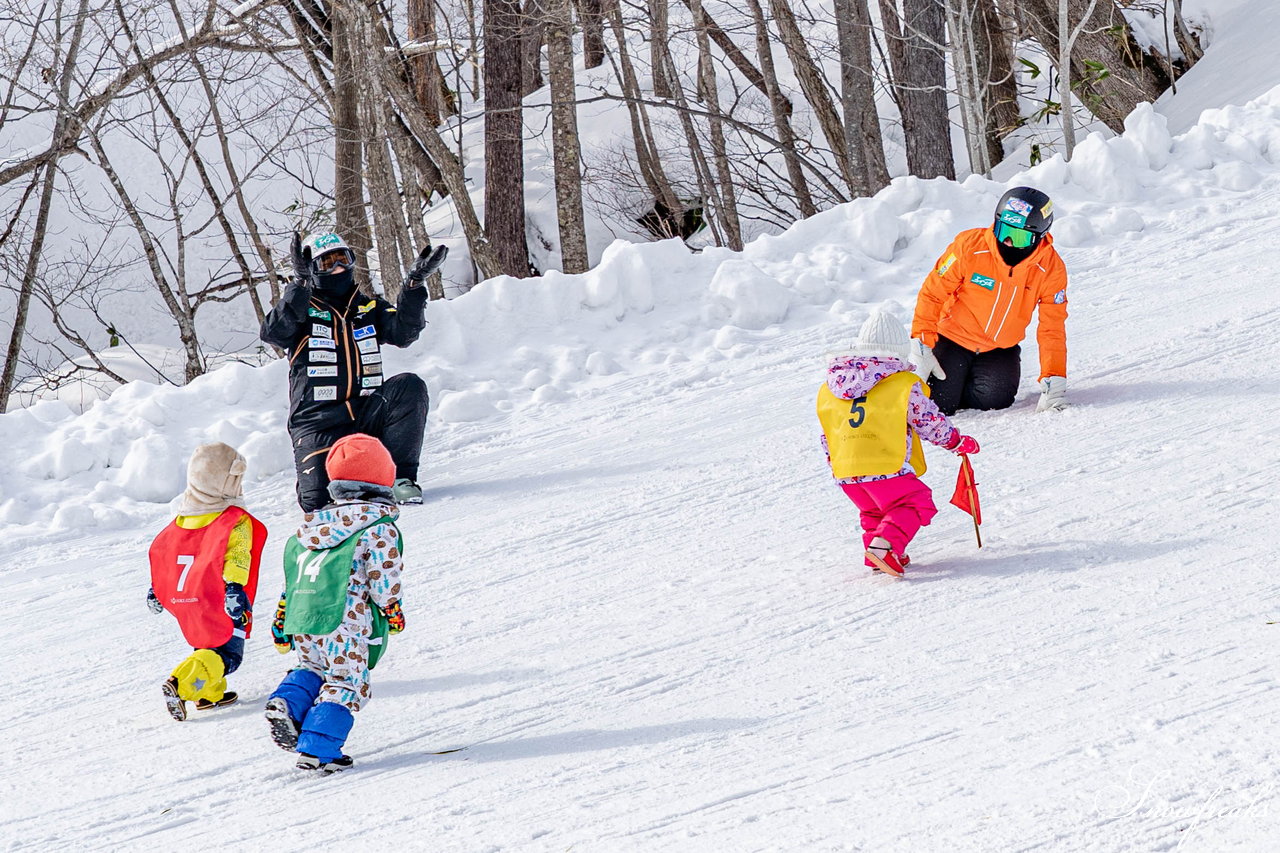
201,676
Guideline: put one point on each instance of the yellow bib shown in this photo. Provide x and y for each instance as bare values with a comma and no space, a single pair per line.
864,435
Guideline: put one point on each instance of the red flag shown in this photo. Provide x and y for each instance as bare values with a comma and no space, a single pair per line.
966,494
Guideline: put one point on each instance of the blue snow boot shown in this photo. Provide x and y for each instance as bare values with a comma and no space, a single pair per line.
324,732
289,705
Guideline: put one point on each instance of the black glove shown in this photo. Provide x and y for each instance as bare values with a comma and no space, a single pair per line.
301,261
236,602
153,603
429,260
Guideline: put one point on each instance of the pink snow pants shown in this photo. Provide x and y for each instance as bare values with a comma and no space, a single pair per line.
895,508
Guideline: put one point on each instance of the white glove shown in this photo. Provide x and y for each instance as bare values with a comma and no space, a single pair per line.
1053,395
926,364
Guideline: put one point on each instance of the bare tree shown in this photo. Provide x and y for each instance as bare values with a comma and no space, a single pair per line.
857,98
565,149
920,84
504,214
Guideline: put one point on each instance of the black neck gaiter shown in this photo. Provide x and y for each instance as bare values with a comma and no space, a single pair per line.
336,287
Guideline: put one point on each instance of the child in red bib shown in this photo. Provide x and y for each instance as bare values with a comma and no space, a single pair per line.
873,412
204,570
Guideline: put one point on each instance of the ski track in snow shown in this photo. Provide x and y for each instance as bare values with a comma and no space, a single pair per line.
643,620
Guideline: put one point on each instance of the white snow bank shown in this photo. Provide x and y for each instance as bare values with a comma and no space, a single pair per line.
510,347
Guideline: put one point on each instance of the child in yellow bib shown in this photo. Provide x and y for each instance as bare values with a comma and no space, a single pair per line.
873,412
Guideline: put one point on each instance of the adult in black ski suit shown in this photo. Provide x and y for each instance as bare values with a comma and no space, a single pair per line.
333,338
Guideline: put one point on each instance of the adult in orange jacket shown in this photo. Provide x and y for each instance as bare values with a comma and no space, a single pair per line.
974,308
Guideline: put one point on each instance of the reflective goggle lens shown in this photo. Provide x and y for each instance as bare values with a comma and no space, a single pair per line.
1019,238
337,257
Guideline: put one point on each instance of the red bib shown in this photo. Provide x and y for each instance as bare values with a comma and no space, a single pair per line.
186,574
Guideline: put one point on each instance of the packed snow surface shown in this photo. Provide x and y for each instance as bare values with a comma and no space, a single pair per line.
636,603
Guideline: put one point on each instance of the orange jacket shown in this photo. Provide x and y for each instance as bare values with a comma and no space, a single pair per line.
974,298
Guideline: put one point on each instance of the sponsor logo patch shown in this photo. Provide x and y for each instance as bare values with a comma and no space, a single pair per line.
947,264
1047,210
371,369
367,307
318,314
321,331
327,240
1060,297
371,357
371,382
323,355
364,332
366,392
1017,220
324,392
322,343
1018,206
327,370
983,281
367,345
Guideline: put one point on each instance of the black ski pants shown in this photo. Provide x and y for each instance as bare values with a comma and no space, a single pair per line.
975,380
396,415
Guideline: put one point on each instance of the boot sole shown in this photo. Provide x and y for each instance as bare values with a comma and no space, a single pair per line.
283,732
173,702
229,698
882,566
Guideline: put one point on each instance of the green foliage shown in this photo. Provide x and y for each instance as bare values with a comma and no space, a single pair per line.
1032,68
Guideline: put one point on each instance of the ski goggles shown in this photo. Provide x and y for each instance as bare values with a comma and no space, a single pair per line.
334,258
1019,238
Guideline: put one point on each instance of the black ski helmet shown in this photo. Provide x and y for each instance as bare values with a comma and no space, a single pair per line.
1025,207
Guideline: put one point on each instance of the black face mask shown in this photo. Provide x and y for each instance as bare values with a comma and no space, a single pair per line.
1014,256
337,285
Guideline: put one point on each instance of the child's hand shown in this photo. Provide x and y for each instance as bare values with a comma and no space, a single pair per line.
962,444
153,603
236,602
395,617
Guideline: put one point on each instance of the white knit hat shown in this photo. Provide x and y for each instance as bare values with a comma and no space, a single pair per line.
882,335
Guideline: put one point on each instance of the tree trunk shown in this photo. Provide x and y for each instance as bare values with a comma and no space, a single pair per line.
534,34
589,14
815,90
780,107
961,16
1132,76
711,94
658,35
921,84
504,215
564,134
428,81
857,97
350,219
994,42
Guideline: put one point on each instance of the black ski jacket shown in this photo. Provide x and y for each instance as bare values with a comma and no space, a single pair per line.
334,351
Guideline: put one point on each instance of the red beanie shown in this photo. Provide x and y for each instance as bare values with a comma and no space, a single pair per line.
362,458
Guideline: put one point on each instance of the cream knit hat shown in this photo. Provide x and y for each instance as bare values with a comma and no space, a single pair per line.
882,335
214,477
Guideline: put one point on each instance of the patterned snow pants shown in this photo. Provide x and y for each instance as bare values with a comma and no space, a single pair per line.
342,660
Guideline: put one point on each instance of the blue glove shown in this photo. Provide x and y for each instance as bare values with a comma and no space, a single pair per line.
153,603
236,603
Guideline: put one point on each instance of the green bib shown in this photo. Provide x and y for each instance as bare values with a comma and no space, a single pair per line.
315,584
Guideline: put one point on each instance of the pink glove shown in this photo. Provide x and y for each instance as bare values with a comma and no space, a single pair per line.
962,444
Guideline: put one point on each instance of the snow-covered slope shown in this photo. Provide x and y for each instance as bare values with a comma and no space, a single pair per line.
635,597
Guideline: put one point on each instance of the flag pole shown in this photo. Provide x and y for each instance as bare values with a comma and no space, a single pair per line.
968,484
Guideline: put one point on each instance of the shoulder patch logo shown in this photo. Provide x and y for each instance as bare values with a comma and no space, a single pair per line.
367,307
1060,297
983,281
947,264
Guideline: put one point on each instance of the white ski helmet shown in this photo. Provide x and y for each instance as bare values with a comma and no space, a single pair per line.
322,243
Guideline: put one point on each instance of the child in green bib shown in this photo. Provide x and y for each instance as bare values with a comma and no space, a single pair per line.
341,601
